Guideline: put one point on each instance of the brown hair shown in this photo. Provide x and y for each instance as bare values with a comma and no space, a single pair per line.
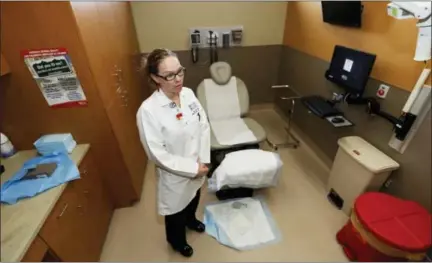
152,61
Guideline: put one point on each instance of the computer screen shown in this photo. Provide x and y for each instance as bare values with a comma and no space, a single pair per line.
350,69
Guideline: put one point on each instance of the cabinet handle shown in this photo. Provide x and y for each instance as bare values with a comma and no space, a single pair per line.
86,192
64,209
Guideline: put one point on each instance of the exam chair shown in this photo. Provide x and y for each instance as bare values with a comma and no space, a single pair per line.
240,167
221,74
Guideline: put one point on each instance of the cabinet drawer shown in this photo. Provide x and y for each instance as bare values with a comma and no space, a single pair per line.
4,66
98,208
39,252
36,251
62,230
86,209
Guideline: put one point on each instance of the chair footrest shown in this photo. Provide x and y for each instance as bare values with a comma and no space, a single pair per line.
241,192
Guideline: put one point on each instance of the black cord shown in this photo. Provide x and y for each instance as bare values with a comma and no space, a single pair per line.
215,51
211,47
195,54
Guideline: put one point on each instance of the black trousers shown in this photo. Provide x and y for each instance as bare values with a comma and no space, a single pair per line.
175,224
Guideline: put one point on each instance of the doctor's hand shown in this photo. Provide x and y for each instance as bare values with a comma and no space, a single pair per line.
202,170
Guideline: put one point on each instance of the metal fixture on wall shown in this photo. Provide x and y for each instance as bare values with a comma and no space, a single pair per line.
213,38
200,36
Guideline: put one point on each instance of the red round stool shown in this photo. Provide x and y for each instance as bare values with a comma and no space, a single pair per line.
385,228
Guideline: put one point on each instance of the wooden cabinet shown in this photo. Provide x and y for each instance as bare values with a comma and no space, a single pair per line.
101,41
4,66
117,79
77,226
66,223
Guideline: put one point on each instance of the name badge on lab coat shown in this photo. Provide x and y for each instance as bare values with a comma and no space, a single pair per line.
194,108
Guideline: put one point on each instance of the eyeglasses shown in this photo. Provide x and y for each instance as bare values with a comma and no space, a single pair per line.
172,76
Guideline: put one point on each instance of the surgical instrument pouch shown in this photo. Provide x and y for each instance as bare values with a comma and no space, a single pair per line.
38,175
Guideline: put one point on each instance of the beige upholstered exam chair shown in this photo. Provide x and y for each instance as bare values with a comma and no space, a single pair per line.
225,99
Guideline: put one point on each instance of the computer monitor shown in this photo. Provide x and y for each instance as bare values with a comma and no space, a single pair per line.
350,69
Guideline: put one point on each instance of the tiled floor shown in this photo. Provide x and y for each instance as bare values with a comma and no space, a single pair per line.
308,222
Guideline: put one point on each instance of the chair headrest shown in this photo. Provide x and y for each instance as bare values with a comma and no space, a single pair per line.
220,72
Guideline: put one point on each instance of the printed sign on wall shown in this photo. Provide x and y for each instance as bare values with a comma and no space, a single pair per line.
55,75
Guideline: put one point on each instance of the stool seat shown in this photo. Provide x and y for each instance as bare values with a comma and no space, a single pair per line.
402,224
383,228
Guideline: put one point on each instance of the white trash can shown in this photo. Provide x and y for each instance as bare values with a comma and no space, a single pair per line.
357,168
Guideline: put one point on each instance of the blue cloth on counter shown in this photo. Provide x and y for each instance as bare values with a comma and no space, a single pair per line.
15,189
55,143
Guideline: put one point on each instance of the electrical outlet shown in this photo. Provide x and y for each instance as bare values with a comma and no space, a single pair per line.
388,183
382,91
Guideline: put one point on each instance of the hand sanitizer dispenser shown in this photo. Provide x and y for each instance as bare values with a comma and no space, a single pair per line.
7,148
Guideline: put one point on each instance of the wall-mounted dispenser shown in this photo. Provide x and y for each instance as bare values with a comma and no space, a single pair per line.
237,36
226,39
195,39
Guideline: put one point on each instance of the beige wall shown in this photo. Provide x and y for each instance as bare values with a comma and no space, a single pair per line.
166,24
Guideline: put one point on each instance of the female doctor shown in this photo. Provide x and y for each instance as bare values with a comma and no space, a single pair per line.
175,133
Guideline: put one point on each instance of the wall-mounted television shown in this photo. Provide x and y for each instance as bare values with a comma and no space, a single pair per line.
343,13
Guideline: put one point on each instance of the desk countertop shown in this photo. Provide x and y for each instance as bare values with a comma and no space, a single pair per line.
21,222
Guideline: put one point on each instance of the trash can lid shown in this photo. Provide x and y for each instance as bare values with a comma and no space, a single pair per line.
399,223
367,155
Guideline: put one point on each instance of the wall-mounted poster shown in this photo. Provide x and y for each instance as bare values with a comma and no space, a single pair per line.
55,75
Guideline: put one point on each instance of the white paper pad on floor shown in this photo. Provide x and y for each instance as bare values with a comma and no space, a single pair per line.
242,224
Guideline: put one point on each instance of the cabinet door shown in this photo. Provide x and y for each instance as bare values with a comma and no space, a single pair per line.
36,252
62,230
4,66
130,58
77,227
99,47
96,208
119,28
39,252
114,64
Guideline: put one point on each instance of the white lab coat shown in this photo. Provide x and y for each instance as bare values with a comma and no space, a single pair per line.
175,146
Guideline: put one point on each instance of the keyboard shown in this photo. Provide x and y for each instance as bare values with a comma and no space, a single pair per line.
319,106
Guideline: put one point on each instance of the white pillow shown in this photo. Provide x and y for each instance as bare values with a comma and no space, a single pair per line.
247,168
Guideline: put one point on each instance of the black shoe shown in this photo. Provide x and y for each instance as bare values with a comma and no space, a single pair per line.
186,250
197,226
